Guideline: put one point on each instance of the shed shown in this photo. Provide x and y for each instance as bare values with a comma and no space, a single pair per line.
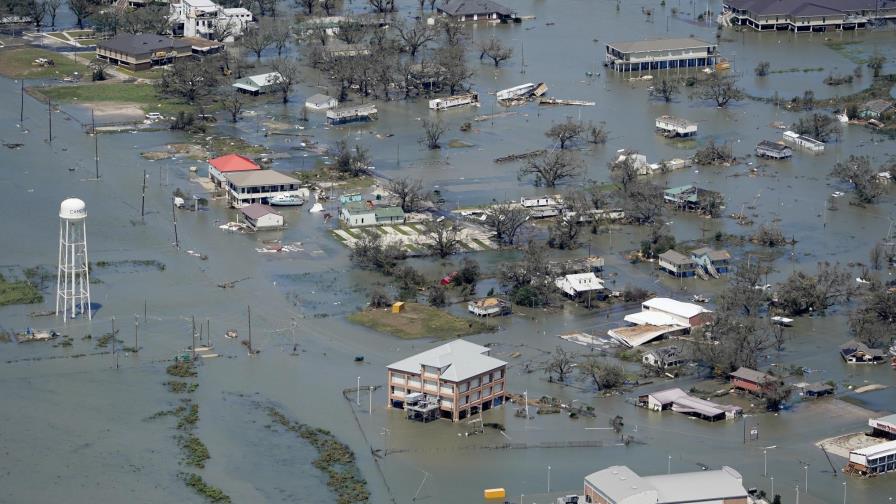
751,380
321,102
773,150
475,10
817,389
258,84
397,306
874,109
261,216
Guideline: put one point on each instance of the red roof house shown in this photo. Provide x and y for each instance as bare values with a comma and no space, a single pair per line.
228,163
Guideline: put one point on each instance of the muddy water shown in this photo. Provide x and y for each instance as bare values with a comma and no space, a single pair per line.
60,413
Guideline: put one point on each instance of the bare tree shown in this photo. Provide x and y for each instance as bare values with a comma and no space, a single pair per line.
624,171
351,30
37,11
233,104
762,68
566,227
857,170
453,61
495,50
803,293
188,80
414,35
560,364
52,7
876,63
257,39
442,237
722,89
81,9
642,202
565,132
453,31
409,193
505,220
432,132
330,6
602,373
351,161
597,134
874,322
280,36
665,90
98,69
382,6
552,167
288,68
306,5
821,127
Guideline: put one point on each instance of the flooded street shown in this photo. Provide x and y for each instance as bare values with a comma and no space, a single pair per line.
77,429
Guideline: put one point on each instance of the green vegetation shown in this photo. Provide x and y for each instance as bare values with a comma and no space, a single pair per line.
219,145
212,493
335,459
849,49
19,63
152,73
18,292
189,418
106,339
181,370
144,96
796,70
419,321
147,263
195,451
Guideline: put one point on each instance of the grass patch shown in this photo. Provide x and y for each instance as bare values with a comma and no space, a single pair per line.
195,451
338,236
180,387
412,247
18,292
328,174
484,245
334,458
19,63
212,493
152,73
106,339
466,247
219,145
796,70
849,49
144,96
400,231
189,418
419,321
181,370
86,42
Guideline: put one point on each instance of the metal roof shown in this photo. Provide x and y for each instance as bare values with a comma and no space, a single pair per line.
257,210
877,106
675,257
619,483
470,7
774,146
713,254
718,485
876,450
891,419
259,178
679,308
458,360
802,7
258,82
389,211
233,163
750,375
141,43
319,99
668,44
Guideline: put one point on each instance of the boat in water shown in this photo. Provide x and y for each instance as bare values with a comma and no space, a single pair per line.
782,321
287,200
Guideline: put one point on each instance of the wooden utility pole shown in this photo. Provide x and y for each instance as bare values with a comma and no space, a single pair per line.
174,218
193,348
96,145
249,312
208,331
113,342
136,325
143,197
50,118
144,311
22,104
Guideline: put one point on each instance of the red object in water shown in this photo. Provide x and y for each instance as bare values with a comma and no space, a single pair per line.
448,279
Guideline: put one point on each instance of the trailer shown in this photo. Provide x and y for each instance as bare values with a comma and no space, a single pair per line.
454,101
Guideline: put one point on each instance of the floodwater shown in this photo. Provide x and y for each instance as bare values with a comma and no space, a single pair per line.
76,429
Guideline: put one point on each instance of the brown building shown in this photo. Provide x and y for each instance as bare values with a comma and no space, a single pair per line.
142,52
755,382
621,485
454,381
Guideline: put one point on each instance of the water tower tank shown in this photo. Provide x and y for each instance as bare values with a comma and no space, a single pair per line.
73,209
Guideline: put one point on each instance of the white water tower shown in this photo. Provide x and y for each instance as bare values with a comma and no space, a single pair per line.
73,279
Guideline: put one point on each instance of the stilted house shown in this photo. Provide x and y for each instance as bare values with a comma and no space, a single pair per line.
676,264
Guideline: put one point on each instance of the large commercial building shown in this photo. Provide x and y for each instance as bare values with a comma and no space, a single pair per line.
142,52
206,19
806,15
662,54
875,459
621,485
454,381
659,317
